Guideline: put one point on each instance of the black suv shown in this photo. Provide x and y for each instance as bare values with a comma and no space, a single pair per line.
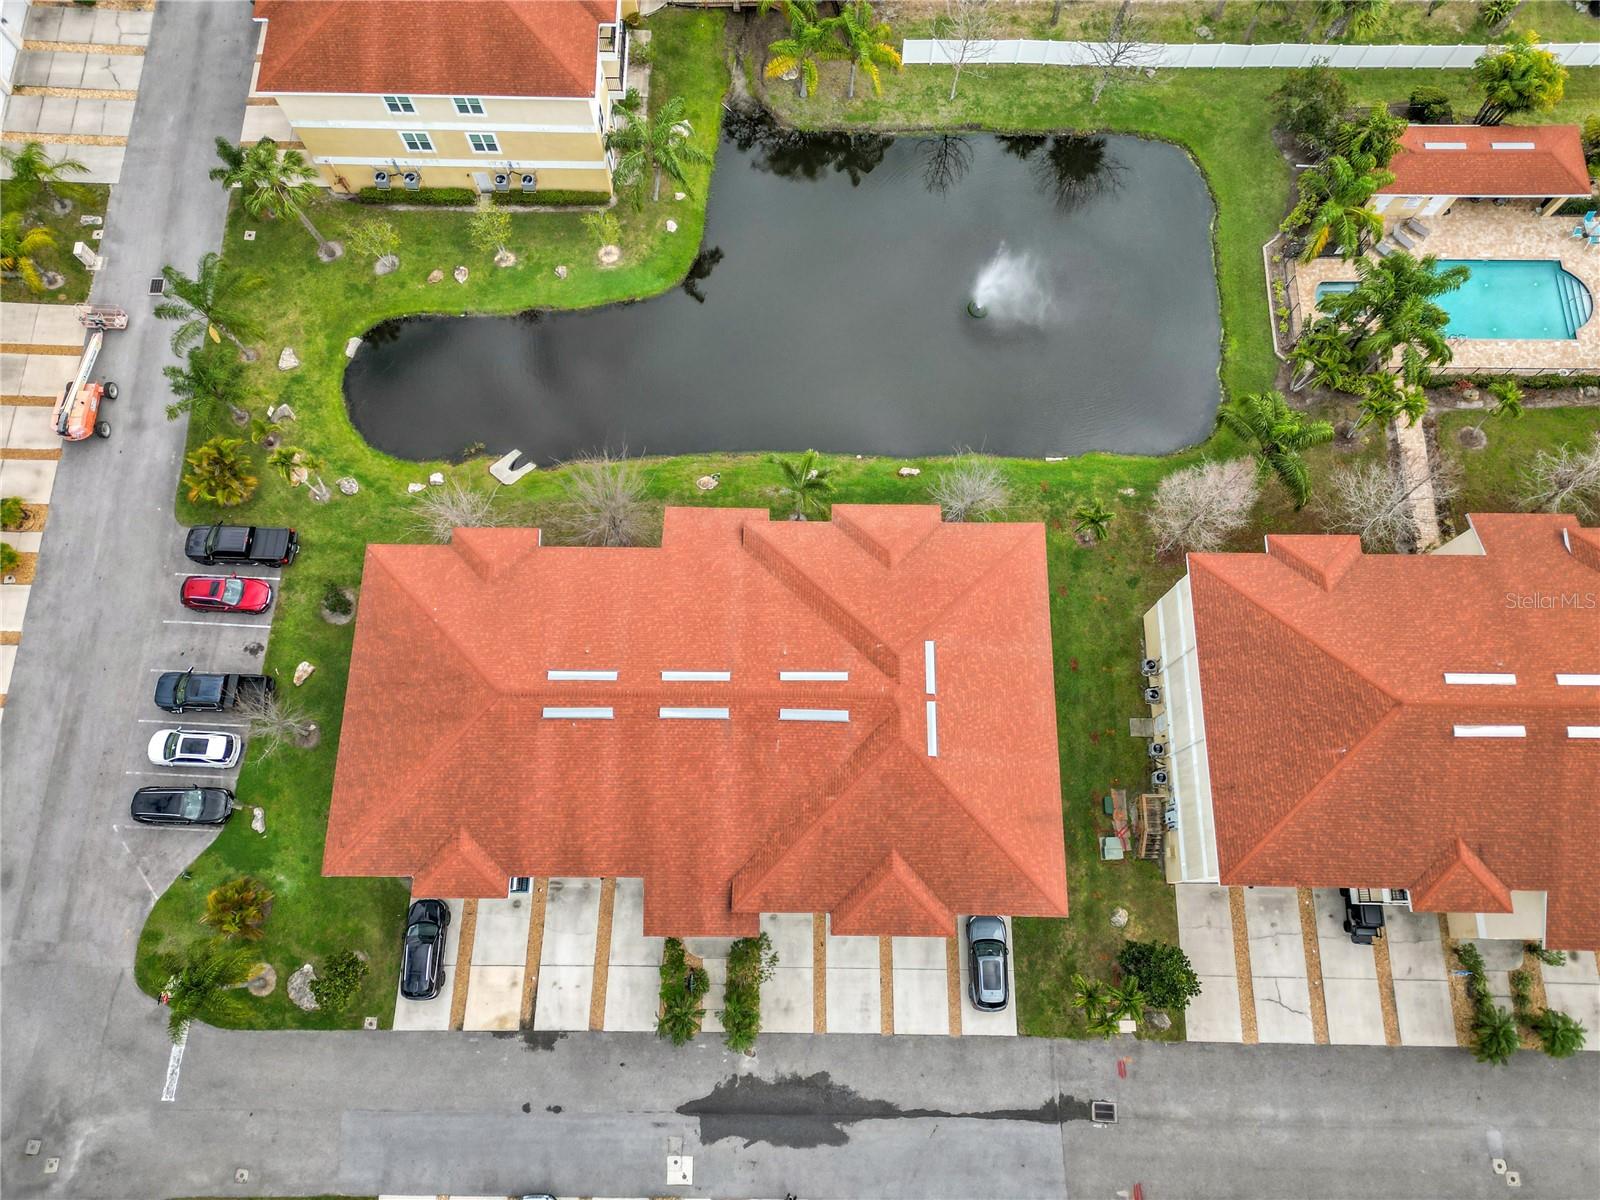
422,952
1362,921
182,806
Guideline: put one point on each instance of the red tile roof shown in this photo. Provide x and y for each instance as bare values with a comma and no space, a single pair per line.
432,47
449,771
1552,166
1330,728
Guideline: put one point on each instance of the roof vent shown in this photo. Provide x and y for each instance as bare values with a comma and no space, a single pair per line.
814,676
696,676
813,714
1479,677
1491,731
1513,145
577,714
1444,145
572,675
693,714
933,729
1577,680
1585,732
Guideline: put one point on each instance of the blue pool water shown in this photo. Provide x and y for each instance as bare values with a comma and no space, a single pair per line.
1509,298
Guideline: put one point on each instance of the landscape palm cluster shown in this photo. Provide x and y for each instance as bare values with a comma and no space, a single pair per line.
855,35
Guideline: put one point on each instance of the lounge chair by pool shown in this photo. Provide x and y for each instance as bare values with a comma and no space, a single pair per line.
1383,250
1399,235
1416,227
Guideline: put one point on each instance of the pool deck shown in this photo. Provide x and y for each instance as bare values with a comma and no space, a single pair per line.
1482,230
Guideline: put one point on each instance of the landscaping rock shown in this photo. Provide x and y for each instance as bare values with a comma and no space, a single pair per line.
1203,32
1119,918
90,219
264,981
349,486
299,988
460,274
414,488
387,265
561,271
435,276
909,472
672,227
303,673
1469,395
1157,1019
1127,491
258,819
609,256
329,251
680,195
60,205
281,414
52,280
436,478
351,347
706,482
288,360
505,259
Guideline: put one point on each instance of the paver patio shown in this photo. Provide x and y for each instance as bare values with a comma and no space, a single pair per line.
1205,931
1349,977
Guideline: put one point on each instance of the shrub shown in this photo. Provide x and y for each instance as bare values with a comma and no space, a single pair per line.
682,987
1309,104
336,984
1162,972
1494,1036
1521,992
437,197
1591,138
972,489
335,599
750,964
9,558
553,198
1430,106
238,908
603,227
1550,958
1561,1036
11,512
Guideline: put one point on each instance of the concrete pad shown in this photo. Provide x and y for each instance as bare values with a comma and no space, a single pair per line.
633,994
53,324
267,121
1213,1015
22,113
424,1015
1415,951
563,999
501,936
77,25
494,996
786,1001
1355,1012
30,479
629,945
32,428
790,934
1579,968
114,28
11,368
921,1001
919,954
850,951
26,542
1205,929
8,660
8,414
118,118
47,374
571,923
1423,1006
1277,948
717,972
13,604
89,116
43,24
112,72
33,70
1579,1001
854,1004
104,163
1283,1009
1341,958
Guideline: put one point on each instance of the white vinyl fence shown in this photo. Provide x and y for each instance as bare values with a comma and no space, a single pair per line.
1203,54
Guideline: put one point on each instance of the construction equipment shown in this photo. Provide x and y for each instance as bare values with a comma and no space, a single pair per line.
102,316
77,413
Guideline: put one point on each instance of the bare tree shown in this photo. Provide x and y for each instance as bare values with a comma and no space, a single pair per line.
1565,480
454,506
972,489
604,505
270,720
1118,49
1195,509
968,27
1373,502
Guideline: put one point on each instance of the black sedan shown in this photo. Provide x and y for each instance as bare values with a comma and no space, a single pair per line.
422,952
182,805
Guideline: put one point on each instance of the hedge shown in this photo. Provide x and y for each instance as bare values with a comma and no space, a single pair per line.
440,197
1576,207
553,197
1547,380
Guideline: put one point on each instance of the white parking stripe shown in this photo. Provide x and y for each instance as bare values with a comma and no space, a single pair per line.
169,1090
167,720
179,774
241,574
154,895
230,624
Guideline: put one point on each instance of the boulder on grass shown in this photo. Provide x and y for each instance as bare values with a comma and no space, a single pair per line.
299,988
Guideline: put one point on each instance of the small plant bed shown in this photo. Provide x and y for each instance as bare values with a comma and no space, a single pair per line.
35,206
751,961
21,516
338,604
684,984
17,566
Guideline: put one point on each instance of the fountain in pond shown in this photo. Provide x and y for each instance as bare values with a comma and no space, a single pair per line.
1011,288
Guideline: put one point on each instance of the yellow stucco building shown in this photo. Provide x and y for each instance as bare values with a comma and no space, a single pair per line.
508,95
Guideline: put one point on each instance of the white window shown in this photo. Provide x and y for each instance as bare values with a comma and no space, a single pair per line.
417,141
483,143
399,104
469,106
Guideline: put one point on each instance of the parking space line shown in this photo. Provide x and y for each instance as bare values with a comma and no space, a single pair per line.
179,774
223,624
154,895
187,574
169,1090
167,720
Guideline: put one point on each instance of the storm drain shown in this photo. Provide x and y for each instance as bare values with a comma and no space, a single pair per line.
1103,1112
158,285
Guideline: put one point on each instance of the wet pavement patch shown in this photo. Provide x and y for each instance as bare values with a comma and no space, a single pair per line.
801,1112
542,1039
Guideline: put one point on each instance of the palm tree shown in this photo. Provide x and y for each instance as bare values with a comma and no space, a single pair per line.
1321,357
202,982
1279,435
1376,136
809,42
659,144
238,908
1333,204
866,43
1392,308
1360,17
1127,1001
806,482
20,248
273,184
1518,76
1561,1036
211,376
208,304
1278,8
1507,395
299,466
31,166
1384,398
219,473
1495,1037
1093,519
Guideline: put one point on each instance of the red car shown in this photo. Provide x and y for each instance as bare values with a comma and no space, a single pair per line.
226,593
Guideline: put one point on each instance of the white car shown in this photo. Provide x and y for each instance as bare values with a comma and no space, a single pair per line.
194,748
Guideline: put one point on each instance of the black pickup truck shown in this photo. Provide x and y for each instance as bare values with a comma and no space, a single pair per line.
189,691
211,544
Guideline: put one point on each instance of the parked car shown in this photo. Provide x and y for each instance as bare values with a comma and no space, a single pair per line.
261,545
182,806
215,748
193,691
986,963
1362,921
422,952
225,593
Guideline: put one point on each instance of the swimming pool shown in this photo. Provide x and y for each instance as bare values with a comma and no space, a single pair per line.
1508,298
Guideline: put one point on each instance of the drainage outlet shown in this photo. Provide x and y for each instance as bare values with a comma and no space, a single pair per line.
158,286
1103,1112
1513,1179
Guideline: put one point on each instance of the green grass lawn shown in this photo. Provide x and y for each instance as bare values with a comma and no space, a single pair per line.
1492,479
87,199
1098,593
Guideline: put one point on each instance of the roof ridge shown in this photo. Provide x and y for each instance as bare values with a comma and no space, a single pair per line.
1457,858
892,868
404,584
982,577
321,16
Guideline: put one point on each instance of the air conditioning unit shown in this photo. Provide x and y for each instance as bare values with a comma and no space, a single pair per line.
1150,666
1160,778
528,181
502,182
412,180
1158,749
380,180
1152,695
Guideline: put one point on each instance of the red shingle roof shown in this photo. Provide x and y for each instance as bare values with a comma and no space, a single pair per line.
449,771
432,47
1549,164
1330,729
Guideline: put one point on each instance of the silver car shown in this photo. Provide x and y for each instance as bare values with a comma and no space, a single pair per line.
194,748
986,963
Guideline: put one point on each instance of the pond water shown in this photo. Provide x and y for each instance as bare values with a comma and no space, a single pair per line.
828,309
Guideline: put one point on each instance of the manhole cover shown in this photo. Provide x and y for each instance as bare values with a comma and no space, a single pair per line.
158,285
1103,1112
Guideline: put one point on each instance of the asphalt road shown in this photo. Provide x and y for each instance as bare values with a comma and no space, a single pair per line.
84,1058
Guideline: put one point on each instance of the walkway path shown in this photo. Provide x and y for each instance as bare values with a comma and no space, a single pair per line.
1223,56
1411,447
